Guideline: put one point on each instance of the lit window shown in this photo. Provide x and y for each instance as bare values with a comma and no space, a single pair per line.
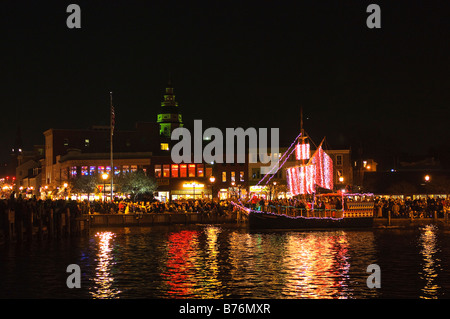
133,168
241,176
91,170
86,142
116,170
101,169
191,170
126,168
166,171
73,171
164,146
183,170
233,176
200,171
224,176
84,170
175,170
157,171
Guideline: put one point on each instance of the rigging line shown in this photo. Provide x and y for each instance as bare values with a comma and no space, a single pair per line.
281,165
280,159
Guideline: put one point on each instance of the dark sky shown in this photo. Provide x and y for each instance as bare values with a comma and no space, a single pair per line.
233,64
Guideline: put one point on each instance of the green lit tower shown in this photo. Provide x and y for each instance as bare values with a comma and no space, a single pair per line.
169,117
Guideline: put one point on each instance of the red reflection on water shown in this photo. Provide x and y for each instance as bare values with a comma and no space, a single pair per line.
179,263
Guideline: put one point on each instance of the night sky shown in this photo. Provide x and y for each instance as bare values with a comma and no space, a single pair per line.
233,64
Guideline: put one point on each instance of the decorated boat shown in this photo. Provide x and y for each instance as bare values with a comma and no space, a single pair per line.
357,212
310,182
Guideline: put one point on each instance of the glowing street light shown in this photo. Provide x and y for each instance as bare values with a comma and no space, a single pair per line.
104,177
427,178
212,179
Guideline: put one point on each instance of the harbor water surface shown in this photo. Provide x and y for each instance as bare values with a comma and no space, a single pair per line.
220,262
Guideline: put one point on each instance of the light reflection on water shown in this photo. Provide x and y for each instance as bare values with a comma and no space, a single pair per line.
217,263
104,277
431,264
225,262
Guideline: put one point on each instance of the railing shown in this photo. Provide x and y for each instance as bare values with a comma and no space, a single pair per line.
292,211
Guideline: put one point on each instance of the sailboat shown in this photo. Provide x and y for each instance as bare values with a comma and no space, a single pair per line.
310,181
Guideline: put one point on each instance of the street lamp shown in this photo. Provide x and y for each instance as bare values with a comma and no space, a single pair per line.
212,179
274,190
427,178
104,177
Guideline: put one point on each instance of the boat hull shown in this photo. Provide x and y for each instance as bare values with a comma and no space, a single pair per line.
263,220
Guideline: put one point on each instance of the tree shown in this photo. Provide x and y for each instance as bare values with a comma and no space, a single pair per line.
84,184
136,183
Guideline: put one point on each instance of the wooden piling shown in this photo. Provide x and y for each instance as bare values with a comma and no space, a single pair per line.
10,223
67,218
51,224
29,223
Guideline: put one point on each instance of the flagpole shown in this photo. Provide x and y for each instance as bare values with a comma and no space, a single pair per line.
111,138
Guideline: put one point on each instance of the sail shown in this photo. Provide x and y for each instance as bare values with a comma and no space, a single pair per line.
323,166
318,171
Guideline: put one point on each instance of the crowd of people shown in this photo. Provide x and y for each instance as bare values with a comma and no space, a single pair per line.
415,208
383,207
175,206
120,206
260,203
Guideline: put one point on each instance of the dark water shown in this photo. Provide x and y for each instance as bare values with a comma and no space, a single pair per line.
227,262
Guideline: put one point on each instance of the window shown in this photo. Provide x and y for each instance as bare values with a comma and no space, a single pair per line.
200,170
241,176
108,170
84,170
183,170
66,142
224,177
116,170
91,170
233,176
126,169
339,160
166,171
208,171
256,173
157,171
101,169
174,170
133,168
86,142
164,146
73,171
191,170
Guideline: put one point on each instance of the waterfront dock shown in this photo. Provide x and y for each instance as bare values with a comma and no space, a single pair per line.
54,223
38,224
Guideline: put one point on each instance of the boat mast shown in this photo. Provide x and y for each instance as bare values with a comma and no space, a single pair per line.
112,123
